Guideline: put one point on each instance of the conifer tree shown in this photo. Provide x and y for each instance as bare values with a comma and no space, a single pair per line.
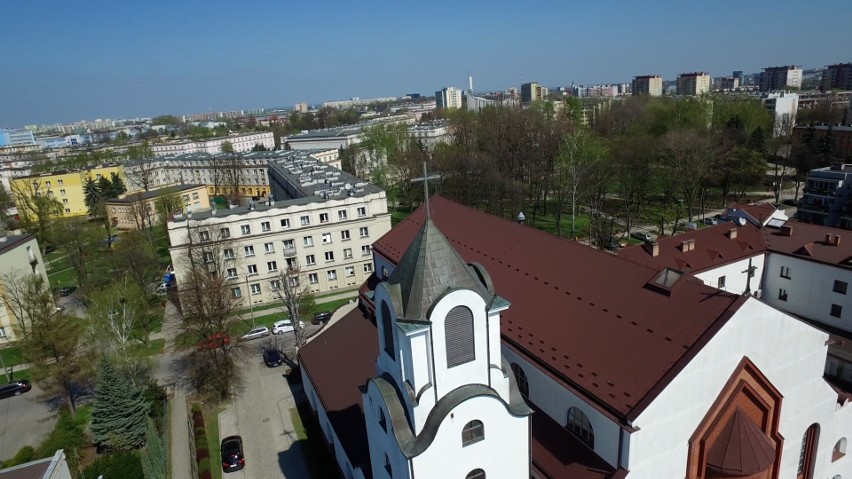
153,457
119,413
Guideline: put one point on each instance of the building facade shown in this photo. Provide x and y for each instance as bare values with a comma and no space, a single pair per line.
240,144
781,78
784,106
729,83
139,210
651,85
448,97
9,137
532,91
19,256
67,187
695,83
827,197
837,77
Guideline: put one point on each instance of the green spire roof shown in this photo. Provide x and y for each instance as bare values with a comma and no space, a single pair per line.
428,268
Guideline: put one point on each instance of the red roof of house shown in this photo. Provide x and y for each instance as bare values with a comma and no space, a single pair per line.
581,315
759,211
713,247
809,242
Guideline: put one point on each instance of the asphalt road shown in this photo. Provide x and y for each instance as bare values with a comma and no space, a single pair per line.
24,420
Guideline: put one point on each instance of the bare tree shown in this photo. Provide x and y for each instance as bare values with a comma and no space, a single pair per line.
37,207
578,156
689,155
141,173
633,158
291,289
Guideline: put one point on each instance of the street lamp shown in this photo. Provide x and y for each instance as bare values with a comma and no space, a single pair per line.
248,295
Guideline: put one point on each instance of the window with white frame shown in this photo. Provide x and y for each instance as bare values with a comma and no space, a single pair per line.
265,226
313,278
204,235
294,281
288,245
208,257
232,273
305,220
60,182
347,253
272,266
224,232
252,269
65,201
255,288
341,214
365,250
245,229
285,223
363,231
274,284
268,248
292,263
344,235
332,274
62,192
310,260
323,217
329,256
228,253
236,292
248,250
350,271
308,241
362,211
368,267
326,238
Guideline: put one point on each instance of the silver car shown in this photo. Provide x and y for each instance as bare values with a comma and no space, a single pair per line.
285,326
254,333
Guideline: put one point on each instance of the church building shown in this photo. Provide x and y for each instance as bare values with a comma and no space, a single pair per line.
485,348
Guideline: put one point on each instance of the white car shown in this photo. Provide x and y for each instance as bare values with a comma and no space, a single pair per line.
255,333
285,326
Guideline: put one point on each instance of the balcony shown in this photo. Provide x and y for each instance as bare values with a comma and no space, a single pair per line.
816,208
830,193
289,251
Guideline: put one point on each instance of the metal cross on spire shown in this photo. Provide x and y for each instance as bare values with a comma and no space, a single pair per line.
425,179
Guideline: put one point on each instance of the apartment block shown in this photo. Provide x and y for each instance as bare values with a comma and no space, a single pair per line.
532,91
729,83
19,256
827,197
781,78
837,77
448,97
647,85
694,83
139,210
66,186
240,144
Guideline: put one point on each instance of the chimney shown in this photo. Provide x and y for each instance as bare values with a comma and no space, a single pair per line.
652,247
829,239
684,245
836,240
786,230
732,233
691,244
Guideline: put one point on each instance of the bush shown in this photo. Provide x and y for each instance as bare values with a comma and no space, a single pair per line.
67,435
204,465
205,475
124,465
201,453
24,454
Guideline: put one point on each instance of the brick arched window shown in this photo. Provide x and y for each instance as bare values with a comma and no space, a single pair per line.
580,426
458,334
808,453
521,379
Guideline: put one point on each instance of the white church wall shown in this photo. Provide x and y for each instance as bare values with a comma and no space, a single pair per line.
382,440
418,373
385,363
809,289
503,453
735,278
554,400
790,353
839,429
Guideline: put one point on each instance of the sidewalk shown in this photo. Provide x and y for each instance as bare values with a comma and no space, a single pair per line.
179,429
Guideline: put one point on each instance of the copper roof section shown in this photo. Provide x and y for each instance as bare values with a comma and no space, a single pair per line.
809,242
429,267
577,313
711,247
741,449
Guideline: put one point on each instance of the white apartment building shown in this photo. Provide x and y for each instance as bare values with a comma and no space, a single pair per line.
694,83
448,97
241,143
19,255
783,106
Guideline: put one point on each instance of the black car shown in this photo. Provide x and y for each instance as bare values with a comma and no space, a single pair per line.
232,454
273,357
15,388
321,318
67,291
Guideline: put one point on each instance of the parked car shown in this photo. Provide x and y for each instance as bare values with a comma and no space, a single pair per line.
215,340
273,357
285,326
15,388
67,291
321,318
711,221
641,236
232,454
254,333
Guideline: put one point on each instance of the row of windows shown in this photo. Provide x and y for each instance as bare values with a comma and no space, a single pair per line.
313,278
272,267
248,252
266,227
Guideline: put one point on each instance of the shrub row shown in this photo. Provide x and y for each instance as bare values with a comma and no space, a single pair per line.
202,453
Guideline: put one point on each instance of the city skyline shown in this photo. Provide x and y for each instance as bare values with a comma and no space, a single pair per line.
127,60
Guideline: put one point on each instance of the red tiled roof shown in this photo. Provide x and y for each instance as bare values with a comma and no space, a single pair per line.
577,313
759,211
808,241
741,449
713,247
337,362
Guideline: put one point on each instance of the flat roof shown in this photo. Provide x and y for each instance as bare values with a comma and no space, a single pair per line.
146,195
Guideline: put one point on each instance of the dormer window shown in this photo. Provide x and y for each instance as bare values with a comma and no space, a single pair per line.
458,334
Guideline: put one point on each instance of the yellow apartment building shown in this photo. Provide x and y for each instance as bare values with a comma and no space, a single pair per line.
66,186
139,210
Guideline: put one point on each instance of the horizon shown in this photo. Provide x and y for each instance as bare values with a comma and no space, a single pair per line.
122,61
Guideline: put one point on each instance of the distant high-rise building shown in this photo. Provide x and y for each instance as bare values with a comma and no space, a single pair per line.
17,138
694,83
448,98
729,83
738,74
301,107
837,76
532,91
780,78
648,85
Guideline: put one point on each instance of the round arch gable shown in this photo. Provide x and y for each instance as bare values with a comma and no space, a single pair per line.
747,394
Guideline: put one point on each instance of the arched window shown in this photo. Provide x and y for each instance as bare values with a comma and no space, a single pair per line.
521,379
839,449
580,426
808,452
387,329
382,420
458,334
475,474
473,432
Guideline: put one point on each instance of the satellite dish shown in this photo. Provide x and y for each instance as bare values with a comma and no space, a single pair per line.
347,186
741,221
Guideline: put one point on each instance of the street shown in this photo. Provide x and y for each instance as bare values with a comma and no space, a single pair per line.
24,420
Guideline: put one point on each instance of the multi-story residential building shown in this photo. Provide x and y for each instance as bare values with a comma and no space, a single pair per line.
837,77
781,78
651,85
339,137
355,101
827,198
448,97
300,107
240,144
19,256
320,226
65,186
693,83
10,137
842,135
783,106
532,91
729,83
139,210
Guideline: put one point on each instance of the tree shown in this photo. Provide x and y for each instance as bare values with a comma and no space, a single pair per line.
119,412
688,155
292,290
259,147
134,258
77,239
167,204
154,458
37,208
166,120
578,156
227,147
50,339
633,164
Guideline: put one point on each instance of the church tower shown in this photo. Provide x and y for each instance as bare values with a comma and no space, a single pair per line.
443,402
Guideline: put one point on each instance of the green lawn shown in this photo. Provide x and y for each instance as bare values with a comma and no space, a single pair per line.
17,375
12,356
153,348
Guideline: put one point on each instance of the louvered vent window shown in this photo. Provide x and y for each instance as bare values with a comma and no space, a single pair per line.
458,330
387,328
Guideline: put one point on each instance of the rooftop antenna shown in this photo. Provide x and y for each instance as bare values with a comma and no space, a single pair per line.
425,179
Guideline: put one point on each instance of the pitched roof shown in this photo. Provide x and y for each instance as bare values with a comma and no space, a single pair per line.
713,246
809,242
429,267
577,313
759,211
741,449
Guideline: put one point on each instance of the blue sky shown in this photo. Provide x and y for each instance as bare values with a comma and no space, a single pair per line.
65,61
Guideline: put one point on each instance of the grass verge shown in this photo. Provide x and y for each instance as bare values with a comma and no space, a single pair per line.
12,356
17,376
211,423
